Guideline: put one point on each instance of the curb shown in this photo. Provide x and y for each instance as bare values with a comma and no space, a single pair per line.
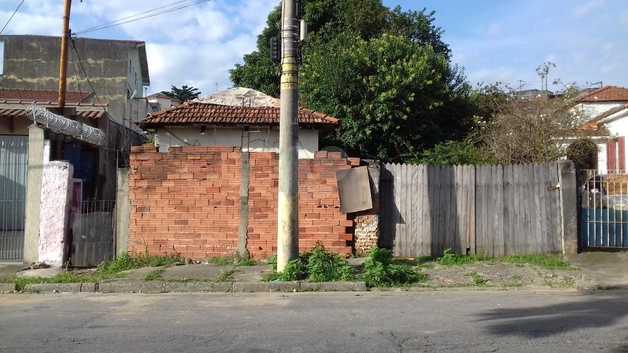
61,288
158,287
7,287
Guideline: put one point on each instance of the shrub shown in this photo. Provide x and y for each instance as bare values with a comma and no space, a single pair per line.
323,266
452,153
318,265
380,271
583,153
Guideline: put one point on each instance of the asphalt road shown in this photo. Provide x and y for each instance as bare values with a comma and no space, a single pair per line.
370,322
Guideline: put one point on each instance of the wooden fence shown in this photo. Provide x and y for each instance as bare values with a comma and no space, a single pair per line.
489,210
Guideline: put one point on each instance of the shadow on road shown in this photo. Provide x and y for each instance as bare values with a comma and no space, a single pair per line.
545,321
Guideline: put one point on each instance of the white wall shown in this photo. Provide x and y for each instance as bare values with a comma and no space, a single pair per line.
258,140
591,110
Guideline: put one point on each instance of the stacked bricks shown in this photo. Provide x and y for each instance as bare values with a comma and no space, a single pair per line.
186,202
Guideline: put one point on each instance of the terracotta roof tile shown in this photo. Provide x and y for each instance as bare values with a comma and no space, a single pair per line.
197,113
605,94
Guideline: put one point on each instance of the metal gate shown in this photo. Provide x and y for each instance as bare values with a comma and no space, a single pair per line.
93,233
13,167
603,210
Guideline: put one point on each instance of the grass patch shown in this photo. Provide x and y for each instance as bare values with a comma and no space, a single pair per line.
126,262
477,279
231,260
64,277
226,276
154,275
450,258
381,271
544,261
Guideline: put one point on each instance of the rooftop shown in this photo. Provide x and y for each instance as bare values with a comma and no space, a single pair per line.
605,94
200,113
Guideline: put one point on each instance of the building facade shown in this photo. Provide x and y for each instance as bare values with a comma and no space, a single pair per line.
112,72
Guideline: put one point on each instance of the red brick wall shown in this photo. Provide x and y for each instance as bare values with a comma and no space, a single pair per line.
188,202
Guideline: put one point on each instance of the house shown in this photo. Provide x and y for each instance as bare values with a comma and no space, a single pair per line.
113,72
252,125
158,102
609,130
591,104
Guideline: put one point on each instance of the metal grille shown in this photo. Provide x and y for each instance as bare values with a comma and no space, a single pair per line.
13,167
604,209
93,233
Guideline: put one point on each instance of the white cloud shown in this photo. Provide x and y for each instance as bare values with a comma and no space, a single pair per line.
196,45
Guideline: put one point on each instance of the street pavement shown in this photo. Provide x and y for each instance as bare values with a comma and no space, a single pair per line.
439,321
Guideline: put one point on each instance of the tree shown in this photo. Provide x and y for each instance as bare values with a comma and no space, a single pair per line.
453,153
583,153
531,129
394,98
386,74
183,94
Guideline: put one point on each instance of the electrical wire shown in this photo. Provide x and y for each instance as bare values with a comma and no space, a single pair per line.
179,5
13,14
81,68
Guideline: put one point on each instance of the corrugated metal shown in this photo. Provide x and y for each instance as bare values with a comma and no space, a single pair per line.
13,167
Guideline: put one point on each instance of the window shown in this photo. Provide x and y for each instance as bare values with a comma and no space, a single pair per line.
1,58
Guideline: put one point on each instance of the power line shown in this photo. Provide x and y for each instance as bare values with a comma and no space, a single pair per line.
81,68
13,14
179,5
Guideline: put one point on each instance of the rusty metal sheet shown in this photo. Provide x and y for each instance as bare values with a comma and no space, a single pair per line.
354,190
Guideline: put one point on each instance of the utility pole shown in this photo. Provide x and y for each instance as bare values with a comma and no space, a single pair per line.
63,60
288,204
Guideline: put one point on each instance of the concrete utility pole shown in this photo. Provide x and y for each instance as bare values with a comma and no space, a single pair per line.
63,60
288,208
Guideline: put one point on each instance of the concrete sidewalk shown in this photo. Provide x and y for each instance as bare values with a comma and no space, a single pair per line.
602,270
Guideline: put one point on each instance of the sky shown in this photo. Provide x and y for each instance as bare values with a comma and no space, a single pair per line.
493,40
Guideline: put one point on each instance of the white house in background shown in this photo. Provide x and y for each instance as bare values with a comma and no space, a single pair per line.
593,103
609,131
239,117
158,102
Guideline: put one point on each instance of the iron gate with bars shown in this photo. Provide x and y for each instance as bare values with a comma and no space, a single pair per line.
13,168
603,210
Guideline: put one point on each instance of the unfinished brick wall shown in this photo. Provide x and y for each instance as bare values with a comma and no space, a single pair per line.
187,202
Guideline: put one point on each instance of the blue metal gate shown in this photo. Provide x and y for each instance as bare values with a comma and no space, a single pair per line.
13,167
604,210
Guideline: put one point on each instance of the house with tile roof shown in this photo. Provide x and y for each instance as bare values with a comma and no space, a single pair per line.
593,103
605,120
226,119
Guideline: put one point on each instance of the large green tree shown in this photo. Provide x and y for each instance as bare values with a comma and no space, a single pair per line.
386,73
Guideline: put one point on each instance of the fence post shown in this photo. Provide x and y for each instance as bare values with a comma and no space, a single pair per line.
122,213
33,193
568,207
243,251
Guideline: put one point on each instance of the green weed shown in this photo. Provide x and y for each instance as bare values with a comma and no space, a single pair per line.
477,279
231,260
318,265
544,261
450,258
380,271
154,275
126,262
